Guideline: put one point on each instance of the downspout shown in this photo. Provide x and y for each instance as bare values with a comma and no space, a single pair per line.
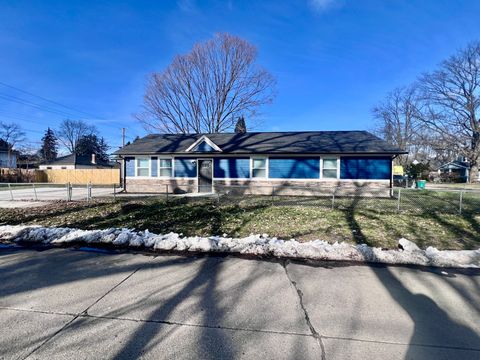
391,174
123,171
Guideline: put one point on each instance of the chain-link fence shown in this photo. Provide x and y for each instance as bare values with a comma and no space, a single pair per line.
381,199
392,200
54,192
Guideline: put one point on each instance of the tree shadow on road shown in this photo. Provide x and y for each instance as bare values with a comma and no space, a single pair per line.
31,277
432,324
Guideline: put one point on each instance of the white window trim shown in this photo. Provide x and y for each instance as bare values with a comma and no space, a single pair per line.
338,167
267,165
149,167
171,167
207,140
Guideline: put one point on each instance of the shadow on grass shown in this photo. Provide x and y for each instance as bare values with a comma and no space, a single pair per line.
240,216
179,215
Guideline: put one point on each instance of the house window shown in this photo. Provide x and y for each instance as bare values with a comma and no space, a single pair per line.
329,168
143,167
259,167
166,168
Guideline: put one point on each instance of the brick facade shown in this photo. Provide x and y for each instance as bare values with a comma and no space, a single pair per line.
260,187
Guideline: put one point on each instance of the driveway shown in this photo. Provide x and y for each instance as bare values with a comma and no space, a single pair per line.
28,195
66,303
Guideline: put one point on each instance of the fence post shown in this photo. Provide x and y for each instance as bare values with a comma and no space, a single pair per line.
461,202
114,191
273,193
69,191
333,199
35,191
399,197
166,190
89,191
11,193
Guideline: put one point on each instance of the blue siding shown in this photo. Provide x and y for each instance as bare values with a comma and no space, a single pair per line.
232,168
203,147
365,168
294,168
185,167
154,166
130,167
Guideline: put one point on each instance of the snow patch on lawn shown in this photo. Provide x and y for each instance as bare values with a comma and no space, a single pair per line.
260,245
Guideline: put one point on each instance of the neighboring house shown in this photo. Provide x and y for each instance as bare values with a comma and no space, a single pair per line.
28,161
8,159
74,161
457,170
209,162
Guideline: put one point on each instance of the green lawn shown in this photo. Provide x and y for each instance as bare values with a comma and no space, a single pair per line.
352,221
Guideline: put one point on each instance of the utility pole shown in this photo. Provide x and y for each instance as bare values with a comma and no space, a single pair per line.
123,137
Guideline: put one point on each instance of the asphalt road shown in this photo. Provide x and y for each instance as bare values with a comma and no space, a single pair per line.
71,304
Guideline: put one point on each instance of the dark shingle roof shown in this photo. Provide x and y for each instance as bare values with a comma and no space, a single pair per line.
455,164
73,159
306,142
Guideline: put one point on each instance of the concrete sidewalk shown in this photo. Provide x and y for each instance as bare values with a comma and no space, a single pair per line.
64,304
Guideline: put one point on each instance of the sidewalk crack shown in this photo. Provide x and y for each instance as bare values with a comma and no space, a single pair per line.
314,332
82,313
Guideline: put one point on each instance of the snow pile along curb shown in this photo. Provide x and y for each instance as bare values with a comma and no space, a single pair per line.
251,245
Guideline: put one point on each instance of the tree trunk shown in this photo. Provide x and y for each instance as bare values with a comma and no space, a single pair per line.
473,175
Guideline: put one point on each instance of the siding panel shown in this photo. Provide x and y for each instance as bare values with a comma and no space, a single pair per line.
186,167
232,168
294,168
365,168
203,147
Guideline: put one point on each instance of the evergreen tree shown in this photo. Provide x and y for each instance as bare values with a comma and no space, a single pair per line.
91,144
49,149
240,126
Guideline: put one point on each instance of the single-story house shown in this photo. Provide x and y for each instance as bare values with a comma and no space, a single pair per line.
457,170
8,158
257,160
73,161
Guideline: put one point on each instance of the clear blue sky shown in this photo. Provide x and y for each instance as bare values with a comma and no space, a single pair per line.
333,59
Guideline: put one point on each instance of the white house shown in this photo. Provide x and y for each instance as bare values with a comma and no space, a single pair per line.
73,161
8,159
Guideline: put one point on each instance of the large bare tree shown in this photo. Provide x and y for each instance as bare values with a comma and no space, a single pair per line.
452,99
12,134
397,121
206,90
71,131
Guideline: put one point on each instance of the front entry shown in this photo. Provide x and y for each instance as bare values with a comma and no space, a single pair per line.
205,175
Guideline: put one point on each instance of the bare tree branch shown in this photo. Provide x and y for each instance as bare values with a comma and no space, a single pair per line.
206,90
11,134
71,131
452,100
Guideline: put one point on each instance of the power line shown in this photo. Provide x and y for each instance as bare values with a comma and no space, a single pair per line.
48,100
50,109
34,105
42,107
